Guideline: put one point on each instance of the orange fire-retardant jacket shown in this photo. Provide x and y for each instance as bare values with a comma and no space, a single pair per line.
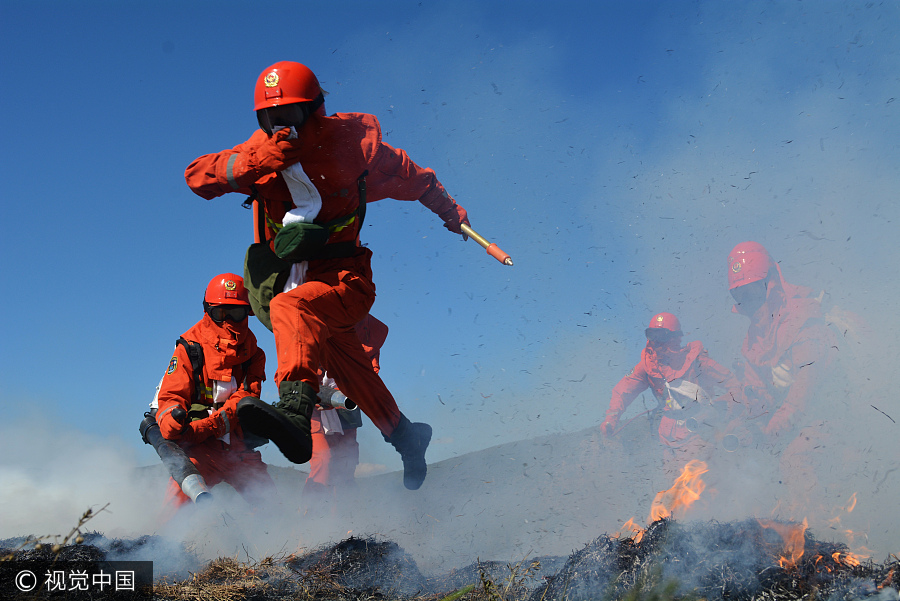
226,348
691,363
334,152
789,349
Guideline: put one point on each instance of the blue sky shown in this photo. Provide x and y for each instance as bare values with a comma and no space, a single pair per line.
617,150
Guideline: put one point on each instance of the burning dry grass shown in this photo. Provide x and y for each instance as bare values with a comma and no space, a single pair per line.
227,579
356,569
754,559
735,560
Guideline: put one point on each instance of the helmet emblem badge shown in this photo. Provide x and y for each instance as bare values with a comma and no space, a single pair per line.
271,79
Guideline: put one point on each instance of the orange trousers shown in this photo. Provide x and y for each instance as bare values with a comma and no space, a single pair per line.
314,327
216,462
334,458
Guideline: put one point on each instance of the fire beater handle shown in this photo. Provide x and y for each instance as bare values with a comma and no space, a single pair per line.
492,249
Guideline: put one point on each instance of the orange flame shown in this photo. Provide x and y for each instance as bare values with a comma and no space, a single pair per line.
793,537
634,532
684,492
847,559
848,508
888,580
816,563
835,522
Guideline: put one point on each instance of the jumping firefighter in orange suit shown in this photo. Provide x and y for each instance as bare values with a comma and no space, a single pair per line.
683,379
312,174
199,410
335,449
788,350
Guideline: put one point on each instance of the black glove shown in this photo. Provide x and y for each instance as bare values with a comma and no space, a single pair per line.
179,415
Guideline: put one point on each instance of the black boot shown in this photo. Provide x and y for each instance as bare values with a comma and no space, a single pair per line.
411,439
286,423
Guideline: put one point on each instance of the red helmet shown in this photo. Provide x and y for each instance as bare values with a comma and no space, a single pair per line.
748,262
226,289
285,82
666,321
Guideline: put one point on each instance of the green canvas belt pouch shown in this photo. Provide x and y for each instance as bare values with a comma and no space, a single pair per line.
264,276
302,241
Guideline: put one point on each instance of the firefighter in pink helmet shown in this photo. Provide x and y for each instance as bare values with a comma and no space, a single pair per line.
694,391
788,345
788,351
198,395
311,175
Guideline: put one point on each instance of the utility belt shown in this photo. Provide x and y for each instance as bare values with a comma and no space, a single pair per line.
308,241
266,270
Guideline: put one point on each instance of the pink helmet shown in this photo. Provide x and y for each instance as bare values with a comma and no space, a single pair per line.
748,262
666,321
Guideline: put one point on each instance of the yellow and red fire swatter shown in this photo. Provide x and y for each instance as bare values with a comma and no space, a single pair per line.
492,249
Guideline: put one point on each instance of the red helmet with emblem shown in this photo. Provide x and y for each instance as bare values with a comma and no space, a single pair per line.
285,82
666,321
748,262
226,289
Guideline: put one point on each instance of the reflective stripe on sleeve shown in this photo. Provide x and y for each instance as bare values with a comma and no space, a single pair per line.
229,172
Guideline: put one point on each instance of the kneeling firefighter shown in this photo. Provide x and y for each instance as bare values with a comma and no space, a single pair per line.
687,384
216,364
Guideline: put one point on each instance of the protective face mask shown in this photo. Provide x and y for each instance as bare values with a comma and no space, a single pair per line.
231,334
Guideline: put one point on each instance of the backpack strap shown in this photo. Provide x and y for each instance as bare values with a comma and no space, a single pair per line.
259,213
245,367
361,187
195,353
254,195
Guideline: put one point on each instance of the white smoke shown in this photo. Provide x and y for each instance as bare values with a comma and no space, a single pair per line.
50,474
619,192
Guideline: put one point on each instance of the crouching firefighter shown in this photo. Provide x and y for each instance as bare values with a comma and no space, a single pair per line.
691,387
216,364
